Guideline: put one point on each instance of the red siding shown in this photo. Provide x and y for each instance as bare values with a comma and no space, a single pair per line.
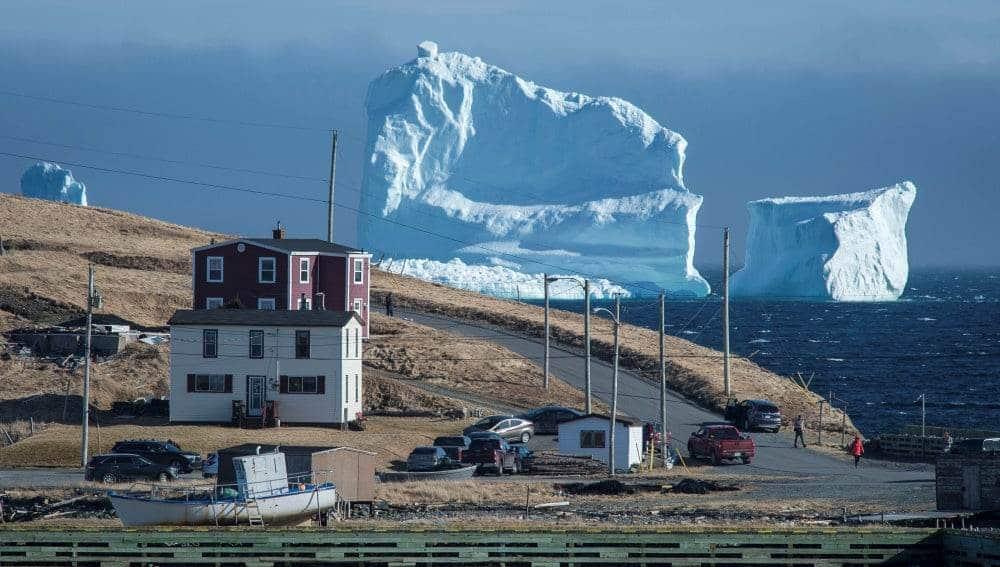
331,279
298,288
359,291
240,277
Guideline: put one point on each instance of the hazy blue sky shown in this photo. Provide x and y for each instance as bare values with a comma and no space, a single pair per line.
796,97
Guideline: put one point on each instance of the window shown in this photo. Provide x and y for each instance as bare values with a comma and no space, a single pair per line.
357,306
214,383
359,270
210,343
302,385
303,270
265,303
304,303
357,342
213,272
592,439
256,343
301,344
213,302
357,388
267,270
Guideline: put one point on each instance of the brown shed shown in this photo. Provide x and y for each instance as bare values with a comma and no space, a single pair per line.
351,470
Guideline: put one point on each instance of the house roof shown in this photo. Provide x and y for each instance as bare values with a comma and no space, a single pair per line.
619,419
263,317
303,245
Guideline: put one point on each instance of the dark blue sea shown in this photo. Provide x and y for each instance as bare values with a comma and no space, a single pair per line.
940,339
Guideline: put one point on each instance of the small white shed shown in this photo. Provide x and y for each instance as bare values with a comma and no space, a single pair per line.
589,436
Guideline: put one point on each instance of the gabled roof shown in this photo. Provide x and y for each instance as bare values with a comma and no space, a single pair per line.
304,245
263,317
619,419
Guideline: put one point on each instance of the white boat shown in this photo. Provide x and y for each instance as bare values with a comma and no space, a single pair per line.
261,496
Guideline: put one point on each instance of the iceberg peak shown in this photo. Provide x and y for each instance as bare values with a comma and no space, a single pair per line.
50,181
573,183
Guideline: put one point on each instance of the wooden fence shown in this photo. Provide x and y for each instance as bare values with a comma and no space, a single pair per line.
678,547
907,446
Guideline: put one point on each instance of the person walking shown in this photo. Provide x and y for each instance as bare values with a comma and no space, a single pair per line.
857,449
798,425
389,305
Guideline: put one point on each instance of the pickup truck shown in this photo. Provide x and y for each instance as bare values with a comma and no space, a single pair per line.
496,455
721,443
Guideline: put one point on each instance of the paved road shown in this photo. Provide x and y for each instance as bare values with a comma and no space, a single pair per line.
641,399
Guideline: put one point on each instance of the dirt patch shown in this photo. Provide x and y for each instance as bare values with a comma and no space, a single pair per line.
150,263
25,304
701,486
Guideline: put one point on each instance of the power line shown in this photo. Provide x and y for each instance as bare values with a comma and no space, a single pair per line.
164,160
162,114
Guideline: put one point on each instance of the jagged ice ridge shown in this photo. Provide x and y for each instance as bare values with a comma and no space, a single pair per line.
49,181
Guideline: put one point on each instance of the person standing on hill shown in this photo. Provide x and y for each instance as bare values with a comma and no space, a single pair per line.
798,425
857,449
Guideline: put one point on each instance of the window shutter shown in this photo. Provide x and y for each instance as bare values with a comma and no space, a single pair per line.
321,384
190,382
228,384
283,387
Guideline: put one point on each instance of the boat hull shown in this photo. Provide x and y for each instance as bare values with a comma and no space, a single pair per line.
281,509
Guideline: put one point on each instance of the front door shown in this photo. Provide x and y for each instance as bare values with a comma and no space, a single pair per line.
970,488
255,395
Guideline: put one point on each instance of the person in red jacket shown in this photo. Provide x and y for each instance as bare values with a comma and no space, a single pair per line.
857,449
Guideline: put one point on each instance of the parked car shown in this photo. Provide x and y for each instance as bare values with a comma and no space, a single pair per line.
453,445
427,459
160,452
118,467
495,455
210,466
974,447
546,419
506,426
750,415
482,435
721,443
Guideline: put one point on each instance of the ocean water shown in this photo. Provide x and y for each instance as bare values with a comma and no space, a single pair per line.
941,339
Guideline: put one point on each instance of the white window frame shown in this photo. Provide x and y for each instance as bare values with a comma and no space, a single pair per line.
357,343
357,388
358,305
256,333
358,271
262,301
305,303
589,438
304,271
217,301
260,269
208,269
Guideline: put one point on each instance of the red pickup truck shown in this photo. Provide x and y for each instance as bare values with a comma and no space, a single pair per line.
721,443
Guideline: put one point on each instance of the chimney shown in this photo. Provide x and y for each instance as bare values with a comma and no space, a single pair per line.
278,233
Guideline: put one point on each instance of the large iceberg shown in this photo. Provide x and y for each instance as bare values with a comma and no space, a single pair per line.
519,175
841,247
49,181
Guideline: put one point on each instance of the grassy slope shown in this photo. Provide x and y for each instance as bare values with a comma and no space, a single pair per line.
56,235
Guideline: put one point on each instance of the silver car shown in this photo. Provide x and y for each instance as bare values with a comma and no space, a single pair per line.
426,459
506,426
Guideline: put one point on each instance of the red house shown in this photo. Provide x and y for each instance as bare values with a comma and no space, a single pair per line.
282,273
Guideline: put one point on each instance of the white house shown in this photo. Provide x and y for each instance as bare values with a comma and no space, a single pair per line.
306,363
589,436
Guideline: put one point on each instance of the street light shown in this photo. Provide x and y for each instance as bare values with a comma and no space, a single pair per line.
616,318
585,285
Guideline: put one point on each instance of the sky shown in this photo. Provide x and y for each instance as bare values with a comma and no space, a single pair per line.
800,97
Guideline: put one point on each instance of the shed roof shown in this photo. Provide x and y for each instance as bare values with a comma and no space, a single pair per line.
263,317
619,419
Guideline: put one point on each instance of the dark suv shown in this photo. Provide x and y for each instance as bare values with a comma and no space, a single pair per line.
119,467
750,415
160,452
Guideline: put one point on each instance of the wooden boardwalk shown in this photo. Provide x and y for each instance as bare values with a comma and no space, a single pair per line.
679,547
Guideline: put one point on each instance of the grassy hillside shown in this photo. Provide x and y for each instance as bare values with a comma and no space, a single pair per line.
144,274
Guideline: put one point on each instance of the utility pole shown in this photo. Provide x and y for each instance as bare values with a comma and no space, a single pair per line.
91,300
663,380
614,388
586,344
819,432
725,313
545,285
333,175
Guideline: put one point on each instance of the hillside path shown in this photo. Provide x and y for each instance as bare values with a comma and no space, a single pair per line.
641,399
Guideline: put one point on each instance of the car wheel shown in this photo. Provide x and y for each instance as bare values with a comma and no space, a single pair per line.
525,437
715,459
514,470
746,460
109,478
163,477
691,453
176,464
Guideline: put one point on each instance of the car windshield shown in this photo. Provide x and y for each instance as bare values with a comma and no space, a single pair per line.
425,451
170,447
723,433
769,408
449,442
489,422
